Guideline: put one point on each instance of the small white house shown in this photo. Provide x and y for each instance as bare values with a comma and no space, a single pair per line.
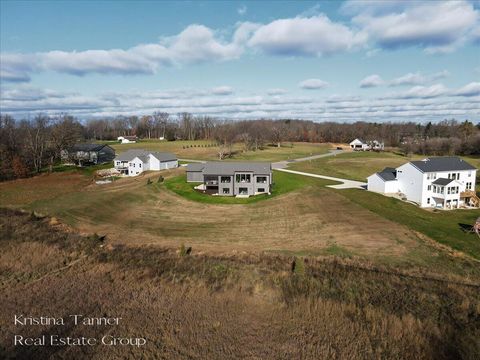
134,162
441,182
359,145
127,139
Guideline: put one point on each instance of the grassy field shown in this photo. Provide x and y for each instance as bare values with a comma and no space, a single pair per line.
207,150
446,227
302,217
217,307
352,165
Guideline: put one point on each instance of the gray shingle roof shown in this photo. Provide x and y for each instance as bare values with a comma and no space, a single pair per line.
442,181
88,147
229,167
446,163
195,167
164,156
388,174
143,154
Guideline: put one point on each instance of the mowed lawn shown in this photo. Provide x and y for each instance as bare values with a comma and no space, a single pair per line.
352,165
208,150
446,227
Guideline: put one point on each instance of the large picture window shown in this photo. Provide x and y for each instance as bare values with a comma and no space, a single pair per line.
243,178
243,191
225,179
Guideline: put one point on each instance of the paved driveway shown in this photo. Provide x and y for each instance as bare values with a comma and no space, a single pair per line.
344,183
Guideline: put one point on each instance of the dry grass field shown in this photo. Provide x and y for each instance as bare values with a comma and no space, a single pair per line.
217,307
205,150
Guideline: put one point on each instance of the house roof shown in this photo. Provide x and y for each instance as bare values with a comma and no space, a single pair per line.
442,181
388,174
446,163
230,167
143,154
164,156
88,147
358,140
195,167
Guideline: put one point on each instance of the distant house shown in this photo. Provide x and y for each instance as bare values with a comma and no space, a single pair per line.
88,154
127,139
134,162
360,145
441,182
232,178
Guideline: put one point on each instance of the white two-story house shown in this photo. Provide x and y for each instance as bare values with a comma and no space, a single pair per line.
134,162
441,182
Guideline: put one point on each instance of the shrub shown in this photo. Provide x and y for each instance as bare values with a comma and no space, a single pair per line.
298,266
149,182
160,179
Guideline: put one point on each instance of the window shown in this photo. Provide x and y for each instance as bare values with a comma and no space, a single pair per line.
225,179
430,188
140,165
469,174
262,179
260,190
243,191
225,191
243,178
428,200
468,186
448,190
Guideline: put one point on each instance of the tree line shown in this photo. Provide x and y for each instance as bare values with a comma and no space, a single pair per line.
28,146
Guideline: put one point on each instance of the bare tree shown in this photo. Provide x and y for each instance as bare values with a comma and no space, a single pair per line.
37,136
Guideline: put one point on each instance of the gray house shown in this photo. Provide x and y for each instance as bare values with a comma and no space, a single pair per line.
232,178
87,154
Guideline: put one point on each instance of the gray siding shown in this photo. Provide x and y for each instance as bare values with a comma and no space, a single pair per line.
194,176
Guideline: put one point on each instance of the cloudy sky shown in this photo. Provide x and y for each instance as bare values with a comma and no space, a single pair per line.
337,61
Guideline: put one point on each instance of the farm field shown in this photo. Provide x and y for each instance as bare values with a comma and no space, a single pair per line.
206,150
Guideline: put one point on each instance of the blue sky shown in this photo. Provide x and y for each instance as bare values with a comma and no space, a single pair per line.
337,61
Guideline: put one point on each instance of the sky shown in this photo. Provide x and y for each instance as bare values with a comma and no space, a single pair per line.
341,61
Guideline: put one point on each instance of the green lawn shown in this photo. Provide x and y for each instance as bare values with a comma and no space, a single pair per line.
282,183
442,226
351,165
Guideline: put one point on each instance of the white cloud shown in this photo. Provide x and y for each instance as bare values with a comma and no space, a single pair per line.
222,90
435,26
421,92
242,10
313,36
371,81
195,44
418,78
276,91
24,100
471,89
313,84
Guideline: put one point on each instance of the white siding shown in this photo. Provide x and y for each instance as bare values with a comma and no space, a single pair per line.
376,184
410,183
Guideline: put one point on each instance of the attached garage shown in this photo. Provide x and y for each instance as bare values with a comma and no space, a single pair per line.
195,172
383,182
